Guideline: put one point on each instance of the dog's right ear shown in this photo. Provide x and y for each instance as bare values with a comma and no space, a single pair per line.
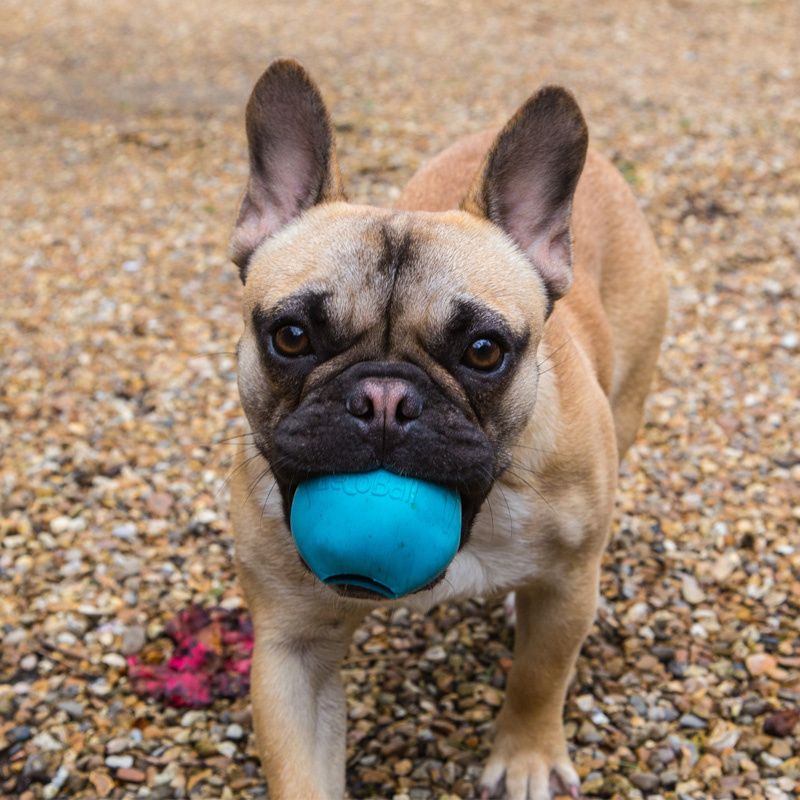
292,157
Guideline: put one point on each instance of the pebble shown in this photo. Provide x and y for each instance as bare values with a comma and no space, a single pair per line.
45,741
691,591
761,663
228,749
119,762
692,721
133,640
19,733
73,708
130,775
790,341
114,660
646,781
234,732
126,530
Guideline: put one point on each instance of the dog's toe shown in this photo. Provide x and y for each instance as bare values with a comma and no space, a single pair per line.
510,607
529,776
566,785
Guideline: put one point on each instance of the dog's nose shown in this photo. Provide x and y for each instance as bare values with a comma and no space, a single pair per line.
384,402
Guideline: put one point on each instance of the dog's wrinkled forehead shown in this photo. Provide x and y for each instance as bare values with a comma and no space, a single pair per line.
394,275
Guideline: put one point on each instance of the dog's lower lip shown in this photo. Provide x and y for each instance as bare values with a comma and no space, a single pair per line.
357,592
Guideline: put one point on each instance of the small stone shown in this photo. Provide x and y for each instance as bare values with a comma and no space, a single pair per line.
725,566
645,781
760,664
599,718
782,749
585,703
130,775
723,736
435,654
663,653
204,517
592,783
770,761
588,734
29,662
693,721
114,746
119,762
227,749
234,732
159,504
403,767
133,640
691,591
44,741
20,733
669,778
192,717
114,660
102,783
127,530
790,341
73,708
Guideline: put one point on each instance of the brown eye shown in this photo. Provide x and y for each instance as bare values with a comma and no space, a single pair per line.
484,355
291,341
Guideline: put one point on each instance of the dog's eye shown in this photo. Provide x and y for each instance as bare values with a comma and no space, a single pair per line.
484,355
291,341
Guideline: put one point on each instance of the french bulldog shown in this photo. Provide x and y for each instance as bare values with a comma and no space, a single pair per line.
496,333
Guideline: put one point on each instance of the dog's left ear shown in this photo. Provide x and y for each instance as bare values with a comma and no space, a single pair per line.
292,157
528,179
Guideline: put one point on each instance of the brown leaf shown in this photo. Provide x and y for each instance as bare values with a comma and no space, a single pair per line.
781,723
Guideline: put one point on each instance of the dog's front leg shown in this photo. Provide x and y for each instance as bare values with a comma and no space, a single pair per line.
529,759
299,709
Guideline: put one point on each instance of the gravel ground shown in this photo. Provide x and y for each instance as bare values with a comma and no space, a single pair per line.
122,159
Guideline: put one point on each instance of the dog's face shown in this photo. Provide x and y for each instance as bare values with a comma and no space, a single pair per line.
376,338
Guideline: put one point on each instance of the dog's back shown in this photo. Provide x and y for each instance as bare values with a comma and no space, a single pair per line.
616,309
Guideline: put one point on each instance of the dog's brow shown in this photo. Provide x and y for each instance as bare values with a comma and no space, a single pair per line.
470,315
308,304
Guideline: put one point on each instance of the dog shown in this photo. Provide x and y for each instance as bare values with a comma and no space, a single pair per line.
495,332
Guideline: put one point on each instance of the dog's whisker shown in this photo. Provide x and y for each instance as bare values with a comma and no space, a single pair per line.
210,355
235,471
535,449
534,489
554,366
562,345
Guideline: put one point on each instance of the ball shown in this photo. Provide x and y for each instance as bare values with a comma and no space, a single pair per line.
376,530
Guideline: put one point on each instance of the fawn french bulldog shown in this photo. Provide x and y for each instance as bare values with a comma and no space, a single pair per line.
495,332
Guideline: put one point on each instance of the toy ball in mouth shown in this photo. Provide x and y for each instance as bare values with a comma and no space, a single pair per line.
376,530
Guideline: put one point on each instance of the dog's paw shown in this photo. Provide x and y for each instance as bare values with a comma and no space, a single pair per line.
529,775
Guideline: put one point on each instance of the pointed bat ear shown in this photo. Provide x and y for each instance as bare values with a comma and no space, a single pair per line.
528,179
292,157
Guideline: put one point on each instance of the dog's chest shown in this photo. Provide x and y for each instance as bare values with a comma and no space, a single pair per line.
512,543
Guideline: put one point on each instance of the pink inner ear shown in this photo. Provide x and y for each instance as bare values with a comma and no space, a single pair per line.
264,211
291,171
544,237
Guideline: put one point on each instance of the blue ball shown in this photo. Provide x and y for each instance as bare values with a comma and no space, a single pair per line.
376,530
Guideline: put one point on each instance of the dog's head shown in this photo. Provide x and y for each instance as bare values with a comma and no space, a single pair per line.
404,340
